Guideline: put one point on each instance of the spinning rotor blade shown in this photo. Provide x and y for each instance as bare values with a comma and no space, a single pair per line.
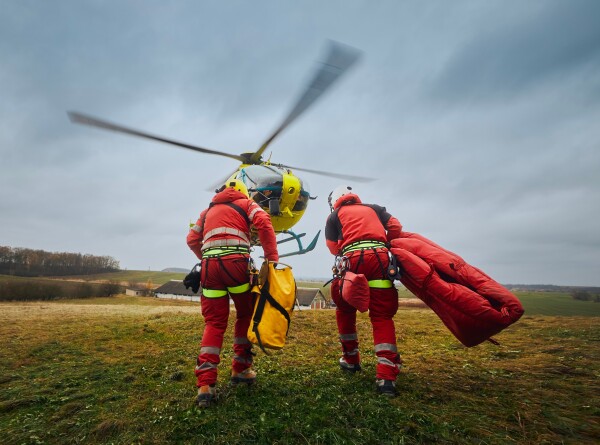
79,118
215,185
340,58
333,175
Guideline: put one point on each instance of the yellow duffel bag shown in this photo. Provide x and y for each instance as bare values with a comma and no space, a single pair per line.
276,289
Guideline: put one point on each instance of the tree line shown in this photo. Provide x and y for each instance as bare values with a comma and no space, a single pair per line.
583,295
33,263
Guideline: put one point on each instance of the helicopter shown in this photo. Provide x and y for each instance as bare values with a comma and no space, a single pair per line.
281,193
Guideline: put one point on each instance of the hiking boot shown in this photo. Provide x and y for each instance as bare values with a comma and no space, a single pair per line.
207,394
247,376
386,387
349,367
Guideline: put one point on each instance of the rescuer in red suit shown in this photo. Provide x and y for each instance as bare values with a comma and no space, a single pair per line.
360,232
221,240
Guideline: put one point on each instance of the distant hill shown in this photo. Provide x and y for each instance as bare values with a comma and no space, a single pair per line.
175,270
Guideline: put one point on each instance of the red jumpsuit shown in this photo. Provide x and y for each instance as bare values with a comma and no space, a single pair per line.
221,239
359,232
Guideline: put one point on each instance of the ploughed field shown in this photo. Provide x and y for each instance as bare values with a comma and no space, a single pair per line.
120,370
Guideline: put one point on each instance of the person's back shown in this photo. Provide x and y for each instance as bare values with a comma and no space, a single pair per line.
226,222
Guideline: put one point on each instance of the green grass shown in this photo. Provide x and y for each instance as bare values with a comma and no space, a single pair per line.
557,303
120,370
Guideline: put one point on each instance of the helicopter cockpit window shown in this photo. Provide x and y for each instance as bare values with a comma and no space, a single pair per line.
264,182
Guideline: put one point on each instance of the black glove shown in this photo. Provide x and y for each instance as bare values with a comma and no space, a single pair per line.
193,279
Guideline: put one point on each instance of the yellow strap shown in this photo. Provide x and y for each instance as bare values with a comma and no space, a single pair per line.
213,293
380,284
362,245
222,251
217,293
239,289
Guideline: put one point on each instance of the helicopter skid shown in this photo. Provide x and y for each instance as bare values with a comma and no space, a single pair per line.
301,249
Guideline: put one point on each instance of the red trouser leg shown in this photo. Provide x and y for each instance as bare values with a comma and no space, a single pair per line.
219,274
215,312
242,348
382,308
346,321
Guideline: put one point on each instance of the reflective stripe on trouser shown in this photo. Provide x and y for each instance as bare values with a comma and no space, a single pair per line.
242,348
345,316
215,312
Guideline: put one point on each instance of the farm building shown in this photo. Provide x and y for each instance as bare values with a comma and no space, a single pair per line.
175,290
136,291
311,298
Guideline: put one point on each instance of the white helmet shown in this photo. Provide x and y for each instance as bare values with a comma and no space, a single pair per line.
337,193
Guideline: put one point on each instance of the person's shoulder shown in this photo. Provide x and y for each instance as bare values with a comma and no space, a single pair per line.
376,207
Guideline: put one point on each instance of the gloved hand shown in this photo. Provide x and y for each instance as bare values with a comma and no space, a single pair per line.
192,279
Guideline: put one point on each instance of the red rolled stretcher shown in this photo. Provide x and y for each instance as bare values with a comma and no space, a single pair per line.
471,304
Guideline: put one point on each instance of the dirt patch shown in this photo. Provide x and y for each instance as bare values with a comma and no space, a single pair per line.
16,311
411,302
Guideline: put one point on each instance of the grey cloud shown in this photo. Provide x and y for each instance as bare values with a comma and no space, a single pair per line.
510,184
551,42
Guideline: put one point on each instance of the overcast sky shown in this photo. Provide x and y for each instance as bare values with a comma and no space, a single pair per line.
480,119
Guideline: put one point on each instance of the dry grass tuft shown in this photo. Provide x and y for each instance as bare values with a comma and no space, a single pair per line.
109,428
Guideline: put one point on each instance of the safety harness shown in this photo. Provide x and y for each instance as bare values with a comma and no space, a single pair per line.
216,249
382,283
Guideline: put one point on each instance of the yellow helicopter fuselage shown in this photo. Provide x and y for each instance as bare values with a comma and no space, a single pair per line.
277,190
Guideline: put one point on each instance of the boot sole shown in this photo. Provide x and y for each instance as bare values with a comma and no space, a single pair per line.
351,370
204,401
239,380
387,394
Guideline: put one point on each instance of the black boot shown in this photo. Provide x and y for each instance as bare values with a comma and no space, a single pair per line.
386,387
349,367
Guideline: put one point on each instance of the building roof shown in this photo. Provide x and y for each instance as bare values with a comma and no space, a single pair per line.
175,287
306,295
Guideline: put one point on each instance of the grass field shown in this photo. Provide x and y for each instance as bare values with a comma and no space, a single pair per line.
132,276
557,303
120,370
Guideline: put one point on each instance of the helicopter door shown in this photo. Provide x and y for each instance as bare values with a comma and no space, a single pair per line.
289,193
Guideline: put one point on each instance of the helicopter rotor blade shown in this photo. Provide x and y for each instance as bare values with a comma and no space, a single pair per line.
83,119
333,175
339,59
216,184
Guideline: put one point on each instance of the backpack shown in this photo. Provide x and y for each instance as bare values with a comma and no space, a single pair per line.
276,294
355,290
